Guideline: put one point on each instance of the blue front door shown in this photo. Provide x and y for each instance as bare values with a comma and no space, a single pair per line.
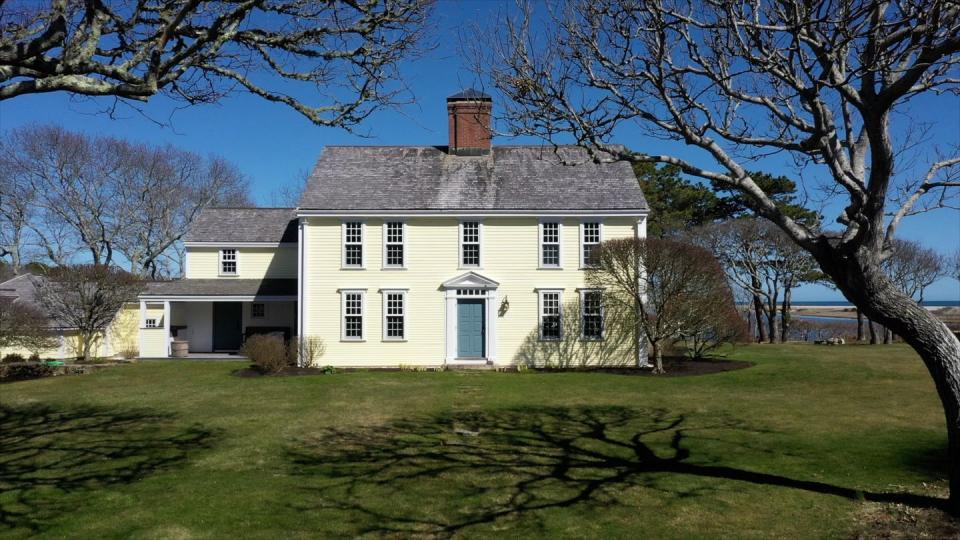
470,328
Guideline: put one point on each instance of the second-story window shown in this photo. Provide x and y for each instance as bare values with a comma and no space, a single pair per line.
394,244
470,243
589,238
258,310
228,262
550,245
353,244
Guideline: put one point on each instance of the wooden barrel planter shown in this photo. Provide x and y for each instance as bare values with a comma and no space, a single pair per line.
179,348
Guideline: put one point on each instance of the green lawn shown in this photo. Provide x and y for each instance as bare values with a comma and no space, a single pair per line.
789,447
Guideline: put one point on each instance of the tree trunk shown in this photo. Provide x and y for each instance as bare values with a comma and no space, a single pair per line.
873,332
772,325
658,358
758,313
859,277
887,336
785,316
859,325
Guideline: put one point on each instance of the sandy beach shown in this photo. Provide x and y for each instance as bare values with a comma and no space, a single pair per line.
948,314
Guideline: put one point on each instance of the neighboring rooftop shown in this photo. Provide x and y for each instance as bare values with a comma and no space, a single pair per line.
244,225
222,287
533,178
23,290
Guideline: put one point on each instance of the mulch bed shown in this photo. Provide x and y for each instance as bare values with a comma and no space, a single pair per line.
675,366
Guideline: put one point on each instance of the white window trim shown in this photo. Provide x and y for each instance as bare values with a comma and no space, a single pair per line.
343,315
151,322
540,293
236,262
343,245
403,227
603,315
583,266
254,316
559,265
460,264
383,295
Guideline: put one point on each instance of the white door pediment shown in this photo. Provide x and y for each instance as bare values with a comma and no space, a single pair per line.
470,280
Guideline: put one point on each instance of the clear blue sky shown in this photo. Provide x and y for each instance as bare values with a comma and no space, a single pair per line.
271,143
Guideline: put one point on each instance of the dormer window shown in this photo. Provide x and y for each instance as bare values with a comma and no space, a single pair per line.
228,262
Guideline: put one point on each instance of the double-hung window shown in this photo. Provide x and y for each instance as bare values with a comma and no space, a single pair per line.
228,262
470,243
352,304
394,315
550,245
353,244
591,314
393,244
590,237
551,315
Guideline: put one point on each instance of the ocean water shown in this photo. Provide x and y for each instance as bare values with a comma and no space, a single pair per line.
844,303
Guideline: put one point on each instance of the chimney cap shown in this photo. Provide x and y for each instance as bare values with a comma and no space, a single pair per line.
470,94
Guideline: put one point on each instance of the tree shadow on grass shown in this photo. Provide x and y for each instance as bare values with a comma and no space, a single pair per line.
489,467
48,456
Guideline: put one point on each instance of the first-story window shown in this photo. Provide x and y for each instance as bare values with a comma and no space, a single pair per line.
352,309
550,245
228,262
353,244
589,239
470,243
394,315
258,310
150,323
394,244
591,314
550,315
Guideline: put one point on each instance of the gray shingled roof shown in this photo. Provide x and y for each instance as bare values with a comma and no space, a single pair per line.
428,178
244,225
23,290
222,287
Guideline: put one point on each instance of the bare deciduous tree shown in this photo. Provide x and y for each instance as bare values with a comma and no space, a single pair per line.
86,298
666,290
342,54
819,82
22,326
107,197
913,267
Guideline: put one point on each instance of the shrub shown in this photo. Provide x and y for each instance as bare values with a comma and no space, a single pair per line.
27,371
311,349
129,354
13,357
34,358
268,353
329,370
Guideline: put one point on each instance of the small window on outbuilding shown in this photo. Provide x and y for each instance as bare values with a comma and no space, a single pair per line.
258,310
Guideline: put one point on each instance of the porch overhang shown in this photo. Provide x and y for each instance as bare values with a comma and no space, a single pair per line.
221,290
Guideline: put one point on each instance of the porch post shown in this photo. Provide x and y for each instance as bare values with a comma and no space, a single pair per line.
166,324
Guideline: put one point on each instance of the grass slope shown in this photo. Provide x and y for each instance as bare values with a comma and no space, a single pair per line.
184,450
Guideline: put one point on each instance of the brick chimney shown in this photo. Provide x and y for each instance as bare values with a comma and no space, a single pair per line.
468,115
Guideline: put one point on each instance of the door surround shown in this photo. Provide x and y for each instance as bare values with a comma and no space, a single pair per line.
471,285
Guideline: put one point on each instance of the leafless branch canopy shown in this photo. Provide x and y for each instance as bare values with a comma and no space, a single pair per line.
343,55
817,81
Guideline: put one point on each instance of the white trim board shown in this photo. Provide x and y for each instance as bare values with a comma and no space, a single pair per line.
467,214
